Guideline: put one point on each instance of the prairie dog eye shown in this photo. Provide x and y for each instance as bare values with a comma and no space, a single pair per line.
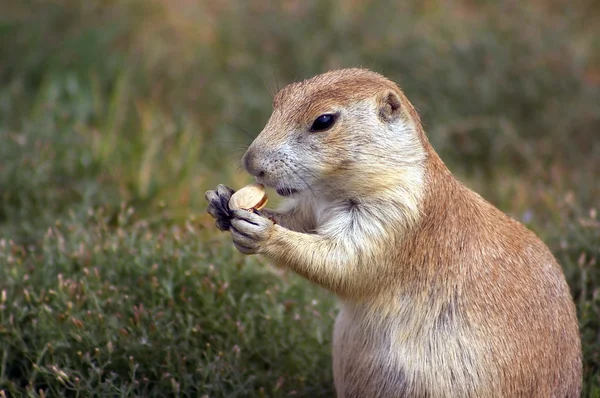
323,122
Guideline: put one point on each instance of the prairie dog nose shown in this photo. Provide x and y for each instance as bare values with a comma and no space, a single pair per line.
251,164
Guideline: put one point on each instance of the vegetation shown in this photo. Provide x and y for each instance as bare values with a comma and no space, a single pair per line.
116,116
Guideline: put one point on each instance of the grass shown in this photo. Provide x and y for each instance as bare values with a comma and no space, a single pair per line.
115,117
133,311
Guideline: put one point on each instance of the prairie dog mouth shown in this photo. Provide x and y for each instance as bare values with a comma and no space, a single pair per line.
286,191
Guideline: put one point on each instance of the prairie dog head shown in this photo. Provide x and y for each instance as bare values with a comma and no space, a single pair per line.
344,134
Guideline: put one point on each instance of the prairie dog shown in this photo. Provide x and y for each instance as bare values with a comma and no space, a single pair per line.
442,294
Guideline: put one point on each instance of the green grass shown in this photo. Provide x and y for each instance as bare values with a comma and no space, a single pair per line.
115,117
132,310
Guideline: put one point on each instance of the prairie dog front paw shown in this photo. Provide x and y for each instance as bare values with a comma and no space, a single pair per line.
218,206
250,231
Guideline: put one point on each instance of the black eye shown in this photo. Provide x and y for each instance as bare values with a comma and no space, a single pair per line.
323,122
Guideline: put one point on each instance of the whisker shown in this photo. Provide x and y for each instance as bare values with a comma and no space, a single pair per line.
266,86
230,143
291,169
241,129
315,176
276,79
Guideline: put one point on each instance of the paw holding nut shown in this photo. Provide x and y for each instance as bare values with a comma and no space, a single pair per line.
238,213
250,231
218,206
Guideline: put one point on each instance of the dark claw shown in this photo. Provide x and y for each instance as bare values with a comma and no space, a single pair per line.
223,224
222,209
211,196
224,191
219,206
214,213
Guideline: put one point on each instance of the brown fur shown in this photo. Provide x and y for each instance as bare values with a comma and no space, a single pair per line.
442,294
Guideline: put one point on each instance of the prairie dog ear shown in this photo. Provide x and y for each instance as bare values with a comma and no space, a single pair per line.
389,106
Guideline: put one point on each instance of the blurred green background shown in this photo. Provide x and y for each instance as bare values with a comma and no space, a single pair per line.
116,116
